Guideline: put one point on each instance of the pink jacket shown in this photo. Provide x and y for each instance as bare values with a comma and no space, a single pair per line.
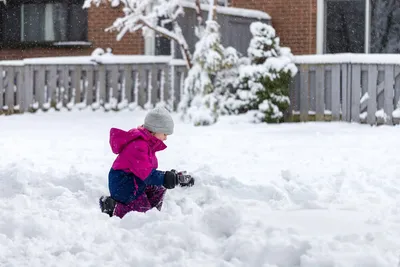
136,151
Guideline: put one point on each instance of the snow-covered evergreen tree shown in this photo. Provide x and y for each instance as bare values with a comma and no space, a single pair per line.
227,82
199,103
264,84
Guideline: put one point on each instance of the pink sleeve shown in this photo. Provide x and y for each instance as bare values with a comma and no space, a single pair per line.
139,159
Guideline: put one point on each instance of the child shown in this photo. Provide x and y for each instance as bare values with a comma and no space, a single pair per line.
134,182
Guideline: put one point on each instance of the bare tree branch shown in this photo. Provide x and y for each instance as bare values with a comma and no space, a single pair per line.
199,18
146,14
172,36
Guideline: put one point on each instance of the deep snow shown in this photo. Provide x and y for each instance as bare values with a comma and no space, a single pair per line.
306,194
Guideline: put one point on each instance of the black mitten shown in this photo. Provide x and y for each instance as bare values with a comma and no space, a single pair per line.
173,178
170,179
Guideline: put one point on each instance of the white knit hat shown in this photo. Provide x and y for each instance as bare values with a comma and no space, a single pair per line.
159,120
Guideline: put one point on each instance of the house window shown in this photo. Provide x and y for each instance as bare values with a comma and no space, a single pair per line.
224,2
162,44
385,26
361,26
345,26
40,22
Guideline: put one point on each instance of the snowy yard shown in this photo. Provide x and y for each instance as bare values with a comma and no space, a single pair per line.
309,195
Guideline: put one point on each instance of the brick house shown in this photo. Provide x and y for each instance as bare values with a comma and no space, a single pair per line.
29,28
333,26
75,31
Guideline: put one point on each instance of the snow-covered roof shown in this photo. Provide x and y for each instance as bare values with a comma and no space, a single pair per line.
348,58
240,12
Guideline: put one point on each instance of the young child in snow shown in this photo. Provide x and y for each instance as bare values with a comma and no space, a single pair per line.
134,182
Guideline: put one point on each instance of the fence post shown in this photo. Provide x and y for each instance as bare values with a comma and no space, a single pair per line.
114,83
166,90
142,79
319,94
172,87
89,89
20,87
292,97
102,84
154,85
9,99
389,93
77,78
52,84
128,83
335,92
372,85
28,87
304,91
355,93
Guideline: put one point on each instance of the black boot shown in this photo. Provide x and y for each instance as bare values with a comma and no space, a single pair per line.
107,205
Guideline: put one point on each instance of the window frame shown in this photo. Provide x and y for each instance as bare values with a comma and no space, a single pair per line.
150,41
321,26
45,44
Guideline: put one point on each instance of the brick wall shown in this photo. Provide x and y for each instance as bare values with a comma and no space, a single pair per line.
294,21
99,18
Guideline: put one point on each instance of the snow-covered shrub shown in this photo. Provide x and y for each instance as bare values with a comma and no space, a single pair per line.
264,83
199,102
227,82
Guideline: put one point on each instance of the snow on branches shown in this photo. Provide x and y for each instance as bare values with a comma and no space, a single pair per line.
148,15
199,102
264,84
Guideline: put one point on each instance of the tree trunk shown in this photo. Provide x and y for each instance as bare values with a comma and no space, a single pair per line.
183,45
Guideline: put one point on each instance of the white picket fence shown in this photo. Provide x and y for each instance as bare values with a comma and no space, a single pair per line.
353,88
83,82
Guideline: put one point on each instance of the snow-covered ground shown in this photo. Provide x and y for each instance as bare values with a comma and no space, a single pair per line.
309,195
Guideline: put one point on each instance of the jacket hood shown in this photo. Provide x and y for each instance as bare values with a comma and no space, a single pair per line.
119,139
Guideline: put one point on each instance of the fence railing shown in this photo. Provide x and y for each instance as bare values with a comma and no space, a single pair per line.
84,82
353,88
